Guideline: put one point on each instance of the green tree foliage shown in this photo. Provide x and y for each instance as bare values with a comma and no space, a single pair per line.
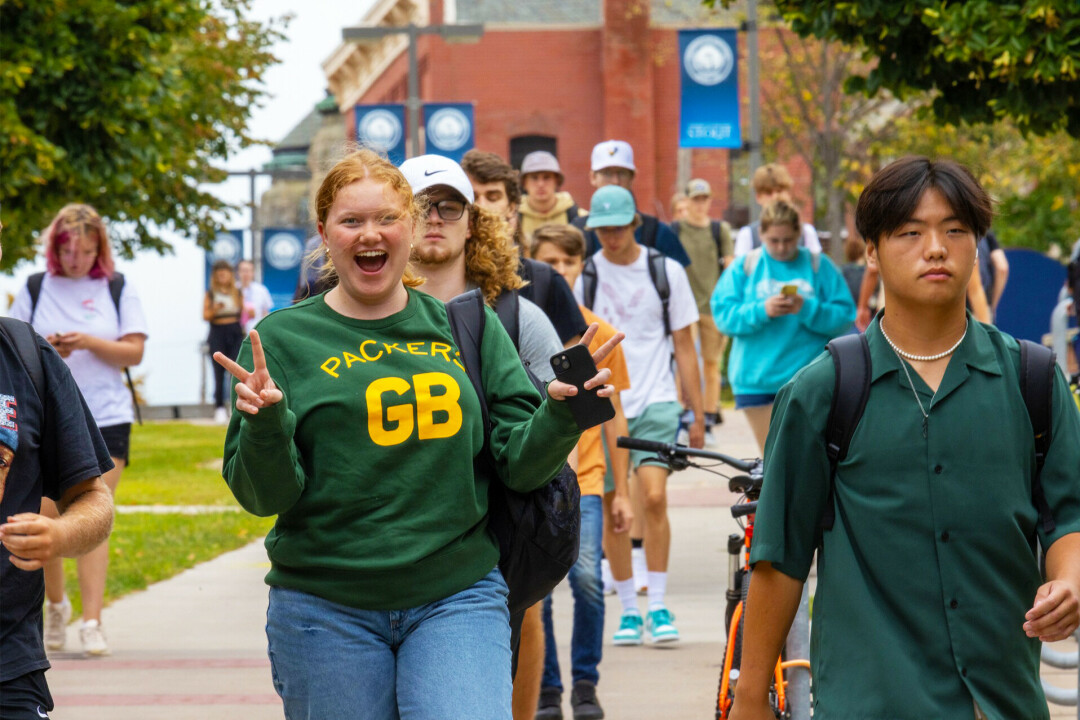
984,59
124,104
1033,179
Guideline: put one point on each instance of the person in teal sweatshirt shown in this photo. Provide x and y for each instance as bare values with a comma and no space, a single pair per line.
357,426
781,304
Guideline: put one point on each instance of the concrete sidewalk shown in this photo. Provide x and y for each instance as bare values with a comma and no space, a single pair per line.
193,647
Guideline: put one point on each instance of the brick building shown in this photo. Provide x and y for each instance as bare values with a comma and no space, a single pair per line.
560,76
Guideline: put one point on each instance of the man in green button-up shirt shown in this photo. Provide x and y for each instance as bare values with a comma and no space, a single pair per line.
930,603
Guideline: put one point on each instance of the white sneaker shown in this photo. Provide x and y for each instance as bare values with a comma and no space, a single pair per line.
710,439
641,572
221,416
93,638
57,617
608,578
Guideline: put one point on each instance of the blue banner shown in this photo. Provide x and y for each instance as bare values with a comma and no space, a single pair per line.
382,128
449,129
282,254
709,116
1030,295
229,246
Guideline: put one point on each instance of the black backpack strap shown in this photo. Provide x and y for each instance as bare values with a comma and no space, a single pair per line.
658,275
506,307
116,288
573,212
540,277
650,226
33,286
467,322
24,342
851,359
588,283
1037,387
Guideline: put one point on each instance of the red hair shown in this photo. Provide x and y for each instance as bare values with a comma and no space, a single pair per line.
73,222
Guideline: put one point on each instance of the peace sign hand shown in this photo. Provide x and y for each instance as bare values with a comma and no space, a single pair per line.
255,389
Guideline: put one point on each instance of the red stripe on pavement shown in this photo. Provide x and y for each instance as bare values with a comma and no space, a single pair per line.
176,664
67,701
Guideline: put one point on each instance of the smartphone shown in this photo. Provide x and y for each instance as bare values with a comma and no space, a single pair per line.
789,290
574,366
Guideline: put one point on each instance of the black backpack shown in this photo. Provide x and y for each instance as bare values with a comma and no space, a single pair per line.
539,277
851,358
657,273
23,340
538,532
116,287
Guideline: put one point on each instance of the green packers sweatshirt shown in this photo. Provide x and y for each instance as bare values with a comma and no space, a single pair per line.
368,460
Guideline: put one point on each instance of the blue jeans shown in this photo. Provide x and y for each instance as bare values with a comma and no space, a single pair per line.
587,640
449,658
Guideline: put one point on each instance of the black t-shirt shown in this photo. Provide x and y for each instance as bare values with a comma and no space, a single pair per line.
558,301
58,446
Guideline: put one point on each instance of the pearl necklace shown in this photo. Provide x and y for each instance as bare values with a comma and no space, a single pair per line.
921,358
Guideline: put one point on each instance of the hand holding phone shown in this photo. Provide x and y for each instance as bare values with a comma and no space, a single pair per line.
574,366
789,290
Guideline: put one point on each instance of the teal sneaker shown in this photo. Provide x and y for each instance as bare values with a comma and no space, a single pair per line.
629,632
660,625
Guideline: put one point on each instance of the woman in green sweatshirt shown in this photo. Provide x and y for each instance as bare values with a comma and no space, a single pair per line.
357,426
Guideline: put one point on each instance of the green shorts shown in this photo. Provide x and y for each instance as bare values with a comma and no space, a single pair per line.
660,423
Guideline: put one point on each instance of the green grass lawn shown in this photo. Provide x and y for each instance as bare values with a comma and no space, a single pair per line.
172,463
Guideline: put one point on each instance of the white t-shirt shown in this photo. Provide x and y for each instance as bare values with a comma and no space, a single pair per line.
258,297
744,239
84,305
626,297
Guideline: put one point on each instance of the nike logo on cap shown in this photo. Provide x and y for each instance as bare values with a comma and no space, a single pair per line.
429,173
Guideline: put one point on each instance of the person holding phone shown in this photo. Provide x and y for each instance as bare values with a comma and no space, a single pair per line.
781,304
357,426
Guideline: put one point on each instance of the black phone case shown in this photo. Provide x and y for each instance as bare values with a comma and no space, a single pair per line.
588,409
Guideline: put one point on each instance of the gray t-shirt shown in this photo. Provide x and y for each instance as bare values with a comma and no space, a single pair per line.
538,339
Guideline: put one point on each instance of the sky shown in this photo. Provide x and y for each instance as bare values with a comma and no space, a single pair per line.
171,287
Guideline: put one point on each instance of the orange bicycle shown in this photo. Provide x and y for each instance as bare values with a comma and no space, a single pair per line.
748,486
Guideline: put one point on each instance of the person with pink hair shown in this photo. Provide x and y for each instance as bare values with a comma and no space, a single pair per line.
71,305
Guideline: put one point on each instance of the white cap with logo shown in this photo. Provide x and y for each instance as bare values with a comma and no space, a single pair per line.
613,153
427,171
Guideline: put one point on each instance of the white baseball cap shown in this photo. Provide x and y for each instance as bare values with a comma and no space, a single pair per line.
428,171
613,153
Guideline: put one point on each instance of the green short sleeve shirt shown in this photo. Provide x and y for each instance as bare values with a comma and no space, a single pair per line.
925,578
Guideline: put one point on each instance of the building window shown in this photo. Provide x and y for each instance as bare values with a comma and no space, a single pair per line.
523,145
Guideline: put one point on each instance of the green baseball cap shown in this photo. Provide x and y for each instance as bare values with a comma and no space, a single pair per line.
611,206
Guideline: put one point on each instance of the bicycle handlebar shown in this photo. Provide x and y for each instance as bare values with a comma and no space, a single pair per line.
668,451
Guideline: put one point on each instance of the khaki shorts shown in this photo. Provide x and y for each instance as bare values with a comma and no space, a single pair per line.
710,337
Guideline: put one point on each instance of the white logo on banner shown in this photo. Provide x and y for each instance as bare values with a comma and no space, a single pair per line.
283,251
226,247
380,130
448,129
708,60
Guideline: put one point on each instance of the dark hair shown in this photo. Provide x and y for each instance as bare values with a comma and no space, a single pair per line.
565,237
488,167
895,191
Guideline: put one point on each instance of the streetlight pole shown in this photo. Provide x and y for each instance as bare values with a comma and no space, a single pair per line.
256,246
755,98
450,33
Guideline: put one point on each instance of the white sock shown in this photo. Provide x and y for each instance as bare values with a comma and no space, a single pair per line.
62,603
637,562
657,588
91,623
627,595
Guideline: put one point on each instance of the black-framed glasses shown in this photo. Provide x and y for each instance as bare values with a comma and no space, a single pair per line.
449,209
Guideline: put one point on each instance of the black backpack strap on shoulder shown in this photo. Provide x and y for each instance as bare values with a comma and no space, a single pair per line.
851,359
33,286
541,282
588,283
467,322
506,307
650,227
1037,387
116,289
658,275
24,342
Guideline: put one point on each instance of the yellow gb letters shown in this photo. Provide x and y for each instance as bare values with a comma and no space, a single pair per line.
427,404
401,414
